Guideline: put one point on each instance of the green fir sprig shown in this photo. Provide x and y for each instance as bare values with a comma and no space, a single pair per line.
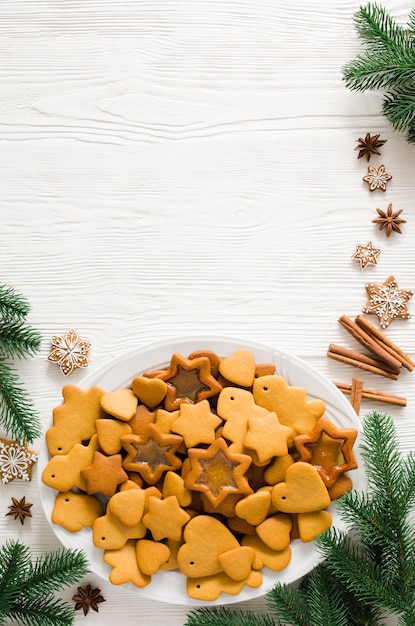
17,341
388,64
27,589
368,570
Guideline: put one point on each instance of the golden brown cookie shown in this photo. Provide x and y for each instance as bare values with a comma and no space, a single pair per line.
329,449
74,420
63,471
239,367
121,404
125,567
302,492
150,391
109,432
198,558
75,511
104,474
310,525
152,453
188,381
290,403
196,423
236,406
165,518
217,472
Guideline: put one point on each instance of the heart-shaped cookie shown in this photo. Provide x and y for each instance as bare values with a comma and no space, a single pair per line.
239,367
121,404
109,432
254,508
275,531
275,560
310,525
302,492
205,538
127,506
151,391
151,555
237,563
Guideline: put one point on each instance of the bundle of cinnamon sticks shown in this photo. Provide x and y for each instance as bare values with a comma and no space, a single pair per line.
386,358
356,391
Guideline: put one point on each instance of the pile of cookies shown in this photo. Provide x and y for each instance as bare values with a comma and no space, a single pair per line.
211,466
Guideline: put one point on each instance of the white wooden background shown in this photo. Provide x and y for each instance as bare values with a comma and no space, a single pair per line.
188,166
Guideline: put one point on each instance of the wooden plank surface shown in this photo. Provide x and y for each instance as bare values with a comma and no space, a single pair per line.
188,167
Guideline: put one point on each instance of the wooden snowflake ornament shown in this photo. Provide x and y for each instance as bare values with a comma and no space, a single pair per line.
69,351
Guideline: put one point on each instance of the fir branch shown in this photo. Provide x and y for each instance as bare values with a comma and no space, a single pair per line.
221,616
387,64
366,517
367,572
325,600
411,22
53,572
384,463
399,108
288,604
27,590
43,612
12,305
17,412
379,70
348,563
13,568
18,339
380,30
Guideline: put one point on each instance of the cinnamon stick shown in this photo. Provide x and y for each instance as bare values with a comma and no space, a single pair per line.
373,394
356,394
370,344
385,342
357,359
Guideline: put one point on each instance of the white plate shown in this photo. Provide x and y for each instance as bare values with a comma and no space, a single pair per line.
170,586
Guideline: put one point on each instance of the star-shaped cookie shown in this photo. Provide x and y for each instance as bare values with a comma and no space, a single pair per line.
387,301
329,449
188,380
152,453
196,423
217,472
104,474
267,437
366,254
165,518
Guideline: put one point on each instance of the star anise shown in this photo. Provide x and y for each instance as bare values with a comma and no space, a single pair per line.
389,220
369,145
87,598
20,509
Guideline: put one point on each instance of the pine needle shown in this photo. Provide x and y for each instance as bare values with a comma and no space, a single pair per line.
54,571
379,29
18,339
17,412
12,304
220,616
27,590
367,573
387,64
288,604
